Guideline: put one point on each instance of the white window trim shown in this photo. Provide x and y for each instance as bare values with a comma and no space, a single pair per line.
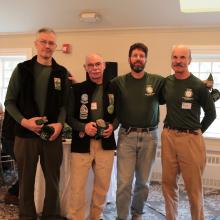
213,49
16,51
211,142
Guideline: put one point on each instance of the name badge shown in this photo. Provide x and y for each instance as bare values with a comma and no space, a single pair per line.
94,106
186,105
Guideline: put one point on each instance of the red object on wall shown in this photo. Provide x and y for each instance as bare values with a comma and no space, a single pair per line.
66,48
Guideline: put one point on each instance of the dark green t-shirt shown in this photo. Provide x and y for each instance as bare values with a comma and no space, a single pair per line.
137,100
97,103
184,99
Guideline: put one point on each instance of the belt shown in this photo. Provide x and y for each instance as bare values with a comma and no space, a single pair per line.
181,130
135,129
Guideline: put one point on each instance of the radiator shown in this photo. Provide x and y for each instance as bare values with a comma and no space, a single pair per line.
211,176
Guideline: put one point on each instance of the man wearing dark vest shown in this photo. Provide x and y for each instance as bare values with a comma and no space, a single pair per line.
36,94
137,96
91,116
183,147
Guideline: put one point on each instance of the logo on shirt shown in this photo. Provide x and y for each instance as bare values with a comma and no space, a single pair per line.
149,90
188,94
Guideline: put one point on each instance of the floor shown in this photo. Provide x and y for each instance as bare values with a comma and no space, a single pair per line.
154,208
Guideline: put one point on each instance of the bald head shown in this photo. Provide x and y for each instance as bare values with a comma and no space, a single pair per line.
182,49
181,58
95,66
93,56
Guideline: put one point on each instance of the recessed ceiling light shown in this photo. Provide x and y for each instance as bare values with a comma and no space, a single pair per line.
195,6
89,17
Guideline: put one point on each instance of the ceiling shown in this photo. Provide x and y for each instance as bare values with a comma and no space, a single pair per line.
25,16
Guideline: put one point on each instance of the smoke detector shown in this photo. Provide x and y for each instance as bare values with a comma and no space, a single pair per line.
89,17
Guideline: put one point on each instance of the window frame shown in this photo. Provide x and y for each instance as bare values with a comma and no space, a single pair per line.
212,142
15,52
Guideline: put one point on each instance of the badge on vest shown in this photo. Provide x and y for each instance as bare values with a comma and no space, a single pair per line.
57,83
81,134
83,112
110,108
94,106
84,98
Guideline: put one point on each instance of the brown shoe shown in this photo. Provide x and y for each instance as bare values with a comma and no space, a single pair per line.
11,199
136,217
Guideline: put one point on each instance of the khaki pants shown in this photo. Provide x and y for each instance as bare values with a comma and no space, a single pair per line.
183,153
101,162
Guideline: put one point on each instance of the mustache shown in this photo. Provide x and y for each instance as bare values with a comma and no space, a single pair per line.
179,64
138,62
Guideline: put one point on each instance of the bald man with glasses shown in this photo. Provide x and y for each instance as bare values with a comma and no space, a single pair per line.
91,115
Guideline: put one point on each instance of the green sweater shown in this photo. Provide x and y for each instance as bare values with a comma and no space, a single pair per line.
184,99
137,100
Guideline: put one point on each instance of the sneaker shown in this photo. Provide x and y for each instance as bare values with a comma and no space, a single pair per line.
11,199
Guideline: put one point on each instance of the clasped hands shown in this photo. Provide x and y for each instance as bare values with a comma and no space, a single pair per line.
91,130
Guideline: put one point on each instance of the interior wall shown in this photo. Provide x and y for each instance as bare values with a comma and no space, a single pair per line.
113,45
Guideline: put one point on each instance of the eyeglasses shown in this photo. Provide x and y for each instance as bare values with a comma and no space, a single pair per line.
92,65
44,43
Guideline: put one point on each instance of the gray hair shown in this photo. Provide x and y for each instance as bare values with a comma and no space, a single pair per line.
46,30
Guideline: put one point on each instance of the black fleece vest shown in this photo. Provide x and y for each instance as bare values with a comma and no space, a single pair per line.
81,141
26,103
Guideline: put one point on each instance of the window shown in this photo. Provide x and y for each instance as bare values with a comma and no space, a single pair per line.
206,60
9,58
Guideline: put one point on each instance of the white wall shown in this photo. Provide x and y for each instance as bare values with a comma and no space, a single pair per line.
114,45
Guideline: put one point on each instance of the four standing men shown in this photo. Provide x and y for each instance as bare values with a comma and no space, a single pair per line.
38,88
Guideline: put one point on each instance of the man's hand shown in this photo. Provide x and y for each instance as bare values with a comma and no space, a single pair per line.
57,129
72,78
108,131
90,129
31,125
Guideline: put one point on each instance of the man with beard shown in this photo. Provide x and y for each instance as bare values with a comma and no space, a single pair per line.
137,96
183,147
36,94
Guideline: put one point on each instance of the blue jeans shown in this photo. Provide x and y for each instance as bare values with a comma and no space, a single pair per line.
135,156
